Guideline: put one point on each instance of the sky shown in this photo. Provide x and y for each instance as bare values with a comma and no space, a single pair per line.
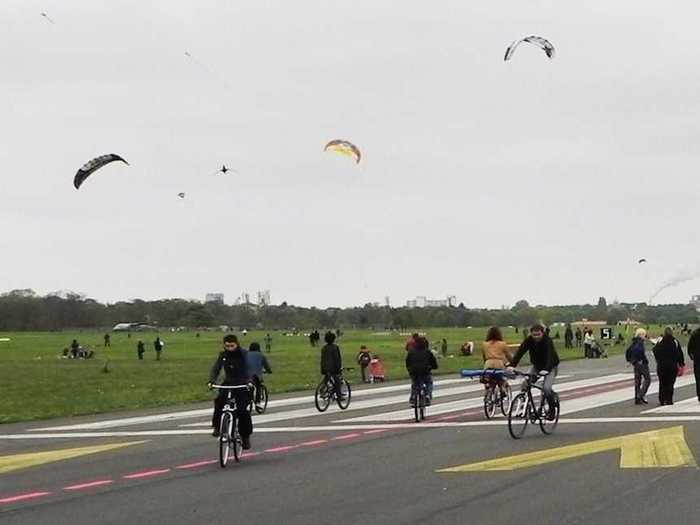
494,181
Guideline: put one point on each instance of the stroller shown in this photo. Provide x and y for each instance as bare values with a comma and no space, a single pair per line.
376,370
596,351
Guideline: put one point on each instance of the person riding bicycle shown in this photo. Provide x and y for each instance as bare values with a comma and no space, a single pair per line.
420,362
233,362
257,364
543,357
495,353
331,362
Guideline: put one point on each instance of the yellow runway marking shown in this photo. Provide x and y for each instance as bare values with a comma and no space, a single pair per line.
21,461
656,449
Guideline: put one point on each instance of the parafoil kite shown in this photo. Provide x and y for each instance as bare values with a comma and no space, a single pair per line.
181,195
544,44
344,148
93,165
640,261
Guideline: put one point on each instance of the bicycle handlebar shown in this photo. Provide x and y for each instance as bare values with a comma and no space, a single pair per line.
227,387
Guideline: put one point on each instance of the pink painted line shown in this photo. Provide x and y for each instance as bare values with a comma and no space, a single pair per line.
280,449
346,436
88,485
313,443
197,464
22,497
250,454
447,418
376,431
146,474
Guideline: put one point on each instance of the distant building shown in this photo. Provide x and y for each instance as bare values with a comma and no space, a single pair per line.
216,298
264,298
422,302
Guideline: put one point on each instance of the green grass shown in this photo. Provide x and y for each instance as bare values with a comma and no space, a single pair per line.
36,383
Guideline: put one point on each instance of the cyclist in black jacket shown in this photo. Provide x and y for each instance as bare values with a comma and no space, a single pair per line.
233,362
420,362
543,356
332,362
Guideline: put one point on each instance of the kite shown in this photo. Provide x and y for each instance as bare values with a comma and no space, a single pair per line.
544,44
93,165
181,195
640,261
47,18
344,148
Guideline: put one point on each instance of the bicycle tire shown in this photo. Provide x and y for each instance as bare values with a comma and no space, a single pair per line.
489,403
506,401
262,406
322,397
422,403
345,395
225,428
549,423
236,442
519,415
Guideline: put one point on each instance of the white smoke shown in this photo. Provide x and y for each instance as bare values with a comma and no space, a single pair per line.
684,274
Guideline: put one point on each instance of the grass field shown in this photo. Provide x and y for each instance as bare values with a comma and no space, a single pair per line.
36,383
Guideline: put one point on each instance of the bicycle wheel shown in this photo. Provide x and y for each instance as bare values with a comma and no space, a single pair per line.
549,414
519,416
225,432
236,443
490,402
506,399
262,406
322,398
345,394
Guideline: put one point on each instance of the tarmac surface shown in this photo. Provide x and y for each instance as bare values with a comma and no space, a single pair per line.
370,463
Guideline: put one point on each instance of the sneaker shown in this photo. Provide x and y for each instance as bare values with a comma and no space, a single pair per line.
215,433
637,401
644,401
428,401
246,442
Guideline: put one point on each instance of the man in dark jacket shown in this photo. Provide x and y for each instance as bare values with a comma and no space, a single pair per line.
694,353
669,357
636,356
331,361
140,349
568,337
420,362
233,362
257,365
363,358
543,357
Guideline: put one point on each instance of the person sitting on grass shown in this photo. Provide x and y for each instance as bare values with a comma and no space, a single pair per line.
420,363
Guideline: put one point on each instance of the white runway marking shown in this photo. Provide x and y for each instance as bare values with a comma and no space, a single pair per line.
687,406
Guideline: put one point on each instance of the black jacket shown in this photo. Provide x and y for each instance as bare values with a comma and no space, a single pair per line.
543,355
234,366
420,361
694,346
331,361
668,353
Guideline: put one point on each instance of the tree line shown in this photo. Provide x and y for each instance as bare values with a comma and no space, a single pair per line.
24,310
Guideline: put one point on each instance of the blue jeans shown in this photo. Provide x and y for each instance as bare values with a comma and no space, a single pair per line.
417,380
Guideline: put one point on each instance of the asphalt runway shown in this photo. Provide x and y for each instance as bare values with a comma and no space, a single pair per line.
369,464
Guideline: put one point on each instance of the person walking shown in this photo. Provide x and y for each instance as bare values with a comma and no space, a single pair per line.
107,341
140,349
579,337
158,346
669,358
443,347
694,353
363,359
636,356
568,336
268,343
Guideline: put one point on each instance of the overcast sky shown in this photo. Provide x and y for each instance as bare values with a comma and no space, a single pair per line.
536,179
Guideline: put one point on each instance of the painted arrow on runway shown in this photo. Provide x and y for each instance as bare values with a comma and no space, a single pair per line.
656,449
20,461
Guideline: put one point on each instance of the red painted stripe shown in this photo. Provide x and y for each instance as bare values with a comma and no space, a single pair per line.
197,464
281,449
313,443
89,484
376,431
346,436
146,474
250,454
22,497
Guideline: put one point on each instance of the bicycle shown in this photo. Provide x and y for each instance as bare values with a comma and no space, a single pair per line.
263,394
327,391
229,436
524,410
495,395
421,401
